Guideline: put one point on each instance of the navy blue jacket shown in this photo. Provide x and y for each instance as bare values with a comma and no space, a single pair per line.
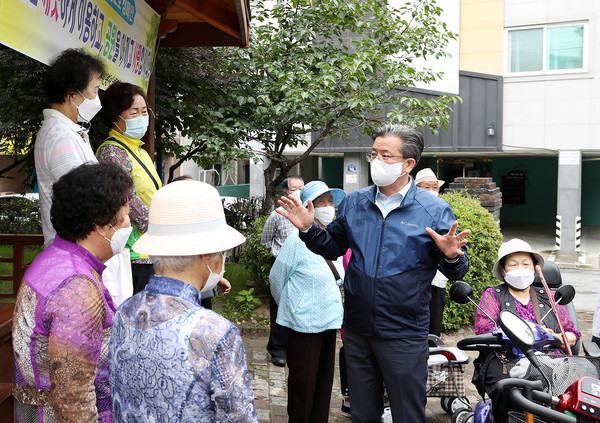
388,281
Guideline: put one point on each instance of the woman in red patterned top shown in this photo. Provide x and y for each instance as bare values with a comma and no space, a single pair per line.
515,267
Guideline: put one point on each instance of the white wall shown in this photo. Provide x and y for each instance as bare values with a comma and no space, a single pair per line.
560,111
449,65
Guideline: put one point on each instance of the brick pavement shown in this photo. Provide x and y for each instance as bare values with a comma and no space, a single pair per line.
270,387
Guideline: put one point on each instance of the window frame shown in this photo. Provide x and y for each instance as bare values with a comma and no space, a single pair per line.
545,70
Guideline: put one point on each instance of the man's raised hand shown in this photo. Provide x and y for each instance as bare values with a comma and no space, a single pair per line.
300,216
450,243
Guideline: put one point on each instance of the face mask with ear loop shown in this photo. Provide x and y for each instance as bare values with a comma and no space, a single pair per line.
88,109
325,214
119,239
214,278
135,128
384,174
519,279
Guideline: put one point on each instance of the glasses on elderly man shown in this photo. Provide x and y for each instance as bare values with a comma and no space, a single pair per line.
383,157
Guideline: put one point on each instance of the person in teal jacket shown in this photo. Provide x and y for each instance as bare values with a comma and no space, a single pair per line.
307,291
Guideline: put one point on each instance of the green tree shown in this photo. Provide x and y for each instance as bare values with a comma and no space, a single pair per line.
330,67
21,104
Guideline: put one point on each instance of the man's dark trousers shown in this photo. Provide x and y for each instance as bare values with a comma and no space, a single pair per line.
399,363
277,345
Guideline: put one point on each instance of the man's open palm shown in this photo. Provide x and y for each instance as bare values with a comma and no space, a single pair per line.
300,216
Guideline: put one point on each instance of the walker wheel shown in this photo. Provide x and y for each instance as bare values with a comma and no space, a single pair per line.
445,403
463,416
460,403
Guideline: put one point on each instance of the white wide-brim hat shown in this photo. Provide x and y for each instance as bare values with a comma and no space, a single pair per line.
425,175
515,245
187,218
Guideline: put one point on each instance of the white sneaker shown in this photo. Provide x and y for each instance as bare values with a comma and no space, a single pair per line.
387,415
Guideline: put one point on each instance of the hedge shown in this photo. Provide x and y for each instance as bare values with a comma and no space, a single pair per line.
484,241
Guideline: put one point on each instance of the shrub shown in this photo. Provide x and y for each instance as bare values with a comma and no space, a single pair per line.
484,241
254,256
241,213
20,216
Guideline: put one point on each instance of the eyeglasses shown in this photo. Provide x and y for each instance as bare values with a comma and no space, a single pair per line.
384,157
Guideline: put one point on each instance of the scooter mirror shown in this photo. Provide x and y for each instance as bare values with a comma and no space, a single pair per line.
461,292
520,334
564,295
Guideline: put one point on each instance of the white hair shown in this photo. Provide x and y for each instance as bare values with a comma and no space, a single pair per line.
173,263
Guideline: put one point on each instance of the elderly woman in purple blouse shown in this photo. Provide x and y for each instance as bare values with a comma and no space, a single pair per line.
63,313
515,267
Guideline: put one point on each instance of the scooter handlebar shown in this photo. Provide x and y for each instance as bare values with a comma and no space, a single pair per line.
516,387
483,342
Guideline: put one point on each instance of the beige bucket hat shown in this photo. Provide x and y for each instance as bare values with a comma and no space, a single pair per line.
187,218
427,174
515,245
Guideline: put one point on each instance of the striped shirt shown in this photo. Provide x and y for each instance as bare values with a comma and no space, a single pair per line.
61,145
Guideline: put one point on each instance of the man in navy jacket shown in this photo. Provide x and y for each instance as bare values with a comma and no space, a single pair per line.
399,236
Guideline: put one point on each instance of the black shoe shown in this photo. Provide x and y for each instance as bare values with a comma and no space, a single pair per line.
278,361
346,408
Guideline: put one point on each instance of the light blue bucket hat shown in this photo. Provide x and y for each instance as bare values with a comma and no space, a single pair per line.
314,189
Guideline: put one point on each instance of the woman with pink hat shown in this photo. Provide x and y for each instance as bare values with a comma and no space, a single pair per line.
172,359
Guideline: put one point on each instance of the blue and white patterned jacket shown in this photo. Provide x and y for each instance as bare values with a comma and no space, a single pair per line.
305,289
171,360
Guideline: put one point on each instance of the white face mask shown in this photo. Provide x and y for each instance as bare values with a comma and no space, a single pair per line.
434,193
214,278
384,174
325,214
296,194
519,278
88,109
119,239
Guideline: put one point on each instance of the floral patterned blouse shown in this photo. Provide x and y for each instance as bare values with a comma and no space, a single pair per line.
138,211
61,328
172,360
489,302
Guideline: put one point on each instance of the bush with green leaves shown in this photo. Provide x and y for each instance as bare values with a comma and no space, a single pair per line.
484,241
241,213
20,216
254,256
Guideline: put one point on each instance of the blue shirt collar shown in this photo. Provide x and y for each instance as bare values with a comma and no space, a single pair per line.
402,192
174,287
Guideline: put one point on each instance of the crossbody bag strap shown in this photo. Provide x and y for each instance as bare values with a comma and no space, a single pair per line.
536,306
138,159
337,277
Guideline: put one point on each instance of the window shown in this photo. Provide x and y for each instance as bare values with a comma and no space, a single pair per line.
547,48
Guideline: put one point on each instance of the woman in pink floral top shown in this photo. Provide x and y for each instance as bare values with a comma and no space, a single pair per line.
63,313
515,267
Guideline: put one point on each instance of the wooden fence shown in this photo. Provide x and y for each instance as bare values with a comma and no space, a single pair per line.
18,243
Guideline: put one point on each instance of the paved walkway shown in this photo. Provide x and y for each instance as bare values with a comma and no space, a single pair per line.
270,387
542,239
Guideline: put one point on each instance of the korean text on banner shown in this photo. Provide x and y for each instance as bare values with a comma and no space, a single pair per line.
122,33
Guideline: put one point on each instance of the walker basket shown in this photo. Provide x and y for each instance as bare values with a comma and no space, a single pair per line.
446,380
561,370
